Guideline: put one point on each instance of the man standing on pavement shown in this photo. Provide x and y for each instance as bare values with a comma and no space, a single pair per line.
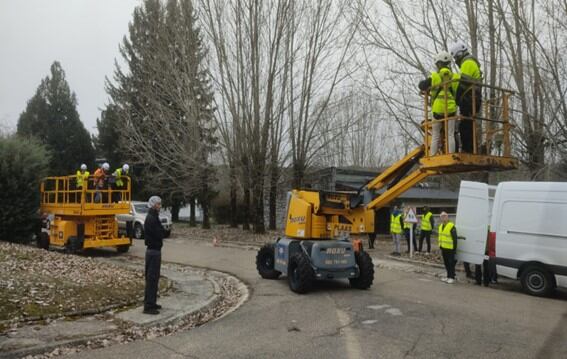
396,223
153,234
448,243
427,225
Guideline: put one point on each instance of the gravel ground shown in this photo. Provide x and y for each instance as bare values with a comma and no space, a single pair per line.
36,284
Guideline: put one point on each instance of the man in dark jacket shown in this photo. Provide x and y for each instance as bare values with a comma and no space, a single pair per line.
153,234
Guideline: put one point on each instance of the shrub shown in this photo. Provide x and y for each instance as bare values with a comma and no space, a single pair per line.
23,162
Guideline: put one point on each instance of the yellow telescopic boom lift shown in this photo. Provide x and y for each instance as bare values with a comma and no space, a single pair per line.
319,223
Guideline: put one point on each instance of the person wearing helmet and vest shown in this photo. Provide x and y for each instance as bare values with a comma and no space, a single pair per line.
407,228
442,86
427,224
119,181
469,96
447,236
100,180
82,176
396,224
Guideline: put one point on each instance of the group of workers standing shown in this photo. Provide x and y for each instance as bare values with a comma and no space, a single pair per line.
449,90
447,240
100,179
398,227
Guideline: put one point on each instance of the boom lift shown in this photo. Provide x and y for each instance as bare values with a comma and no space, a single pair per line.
81,217
319,223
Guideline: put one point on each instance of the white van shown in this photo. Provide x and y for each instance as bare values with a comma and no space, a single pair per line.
528,231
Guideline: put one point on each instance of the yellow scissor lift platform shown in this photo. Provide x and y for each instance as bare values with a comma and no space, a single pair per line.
80,217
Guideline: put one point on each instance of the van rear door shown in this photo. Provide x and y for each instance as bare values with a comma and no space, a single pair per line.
472,221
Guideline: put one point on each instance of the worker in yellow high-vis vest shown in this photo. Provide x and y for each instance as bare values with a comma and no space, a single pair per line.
427,225
82,176
447,235
396,225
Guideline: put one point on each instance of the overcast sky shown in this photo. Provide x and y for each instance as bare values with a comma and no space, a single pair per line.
81,34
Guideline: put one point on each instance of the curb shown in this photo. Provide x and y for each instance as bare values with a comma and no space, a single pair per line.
412,261
208,305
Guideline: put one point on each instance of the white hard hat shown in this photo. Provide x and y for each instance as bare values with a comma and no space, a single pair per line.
83,167
458,49
125,167
443,56
105,166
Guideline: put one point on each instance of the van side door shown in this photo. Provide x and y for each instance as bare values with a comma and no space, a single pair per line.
472,221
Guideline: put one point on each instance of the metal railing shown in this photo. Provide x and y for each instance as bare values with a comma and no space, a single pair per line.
491,121
66,192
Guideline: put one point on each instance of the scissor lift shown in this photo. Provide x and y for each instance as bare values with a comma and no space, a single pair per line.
81,217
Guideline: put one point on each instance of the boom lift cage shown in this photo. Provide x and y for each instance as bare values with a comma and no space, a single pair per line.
84,216
328,215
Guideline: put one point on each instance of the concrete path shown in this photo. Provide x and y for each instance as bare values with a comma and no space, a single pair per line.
408,313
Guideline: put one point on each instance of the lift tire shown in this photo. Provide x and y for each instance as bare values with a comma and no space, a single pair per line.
123,248
265,262
366,268
43,241
537,280
300,273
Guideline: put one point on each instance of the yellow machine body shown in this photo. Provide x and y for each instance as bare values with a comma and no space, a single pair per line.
81,217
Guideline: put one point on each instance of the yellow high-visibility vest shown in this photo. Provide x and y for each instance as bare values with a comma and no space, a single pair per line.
118,175
395,226
441,99
81,178
426,221
445,239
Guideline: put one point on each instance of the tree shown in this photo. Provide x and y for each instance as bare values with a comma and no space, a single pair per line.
51,117
164,101
107,142
23,162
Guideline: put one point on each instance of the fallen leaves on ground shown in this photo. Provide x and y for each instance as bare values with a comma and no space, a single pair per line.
38,284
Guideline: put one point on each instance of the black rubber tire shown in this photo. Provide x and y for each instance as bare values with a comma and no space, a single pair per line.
138,231
43,241
366,268
300,273
537,280
123,248
265,260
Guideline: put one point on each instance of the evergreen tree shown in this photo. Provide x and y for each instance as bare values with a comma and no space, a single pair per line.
165,101
51,117
107,142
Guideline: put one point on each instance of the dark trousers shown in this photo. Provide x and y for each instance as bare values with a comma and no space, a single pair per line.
449,261
153,264
427,236
407,234
467,122
371,239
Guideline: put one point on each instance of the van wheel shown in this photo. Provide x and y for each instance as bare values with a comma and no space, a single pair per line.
300,273
537,280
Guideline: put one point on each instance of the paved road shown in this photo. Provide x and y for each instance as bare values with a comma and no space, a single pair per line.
403,315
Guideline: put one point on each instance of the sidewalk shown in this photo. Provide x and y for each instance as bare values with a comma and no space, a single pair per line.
195,298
